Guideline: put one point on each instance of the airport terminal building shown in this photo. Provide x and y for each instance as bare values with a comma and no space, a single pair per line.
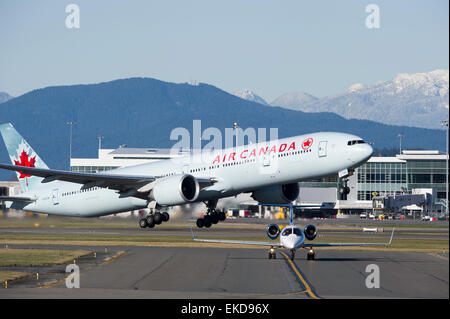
412,172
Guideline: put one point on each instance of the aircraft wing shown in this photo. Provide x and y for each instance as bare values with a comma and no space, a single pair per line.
349,244
119,182
242,242
112,181
16,199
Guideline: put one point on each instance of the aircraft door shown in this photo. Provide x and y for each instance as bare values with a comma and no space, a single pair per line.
55,197
266,160
323,149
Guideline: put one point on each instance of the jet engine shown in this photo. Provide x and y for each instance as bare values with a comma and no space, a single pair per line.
273,231
277,194
310,231
175,190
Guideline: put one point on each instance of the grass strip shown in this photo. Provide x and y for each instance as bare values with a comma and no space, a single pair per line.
37,257
11,275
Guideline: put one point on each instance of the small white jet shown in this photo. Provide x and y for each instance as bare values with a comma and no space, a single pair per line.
269,170
292,237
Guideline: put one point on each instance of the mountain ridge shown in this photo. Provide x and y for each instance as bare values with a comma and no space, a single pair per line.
141,112
423,97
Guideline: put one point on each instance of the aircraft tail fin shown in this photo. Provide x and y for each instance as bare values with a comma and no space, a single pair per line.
21,154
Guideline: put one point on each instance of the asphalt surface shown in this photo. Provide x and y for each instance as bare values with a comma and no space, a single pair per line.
157,272
181,273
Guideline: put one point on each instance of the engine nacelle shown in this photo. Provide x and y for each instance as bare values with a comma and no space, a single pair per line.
175,190
273,231
310,231
278,194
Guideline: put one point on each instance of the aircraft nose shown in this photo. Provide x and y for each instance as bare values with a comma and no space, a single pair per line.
368,151
290,244
362,152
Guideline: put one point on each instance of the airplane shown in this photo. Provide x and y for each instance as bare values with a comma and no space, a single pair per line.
292,237
269,170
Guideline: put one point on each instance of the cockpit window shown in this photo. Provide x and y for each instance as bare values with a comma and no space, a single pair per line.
355,142
297,231
286,232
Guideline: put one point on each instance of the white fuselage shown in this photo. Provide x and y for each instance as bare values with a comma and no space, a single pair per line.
236,170
292,237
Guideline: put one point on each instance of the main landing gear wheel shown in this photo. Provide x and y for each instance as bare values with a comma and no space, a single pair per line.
200,222
143,223
165,217
311,255
157,217
150,221
212,216
207,221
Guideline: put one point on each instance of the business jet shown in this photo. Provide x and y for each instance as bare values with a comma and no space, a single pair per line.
292,237
270,171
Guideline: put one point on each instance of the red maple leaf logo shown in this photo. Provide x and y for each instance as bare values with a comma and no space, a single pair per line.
25,161
307,143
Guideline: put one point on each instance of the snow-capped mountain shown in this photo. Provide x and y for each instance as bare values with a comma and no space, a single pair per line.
249,95
294,100
5,97
419,100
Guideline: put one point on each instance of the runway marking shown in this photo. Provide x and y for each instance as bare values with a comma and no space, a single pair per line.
297,272
107,261
439,256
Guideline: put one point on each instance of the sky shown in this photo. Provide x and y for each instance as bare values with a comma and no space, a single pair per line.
271,47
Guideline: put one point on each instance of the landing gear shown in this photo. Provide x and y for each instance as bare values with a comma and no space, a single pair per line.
311,255
142,222
153,219
272,254
157,217
150,221
292,254
212,216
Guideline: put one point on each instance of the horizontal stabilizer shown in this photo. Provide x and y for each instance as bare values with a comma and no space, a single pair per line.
16,199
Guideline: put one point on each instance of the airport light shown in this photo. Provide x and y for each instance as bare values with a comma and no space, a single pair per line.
445,123
236,126
71,124
400,136
100,141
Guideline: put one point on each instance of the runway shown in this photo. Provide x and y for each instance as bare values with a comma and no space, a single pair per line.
142,269
157,272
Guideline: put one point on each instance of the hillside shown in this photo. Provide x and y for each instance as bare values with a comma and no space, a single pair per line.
141,112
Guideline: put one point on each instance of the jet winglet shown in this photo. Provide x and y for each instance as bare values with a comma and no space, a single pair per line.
392,236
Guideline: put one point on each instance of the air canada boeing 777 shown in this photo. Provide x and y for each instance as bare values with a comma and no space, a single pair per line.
269,170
